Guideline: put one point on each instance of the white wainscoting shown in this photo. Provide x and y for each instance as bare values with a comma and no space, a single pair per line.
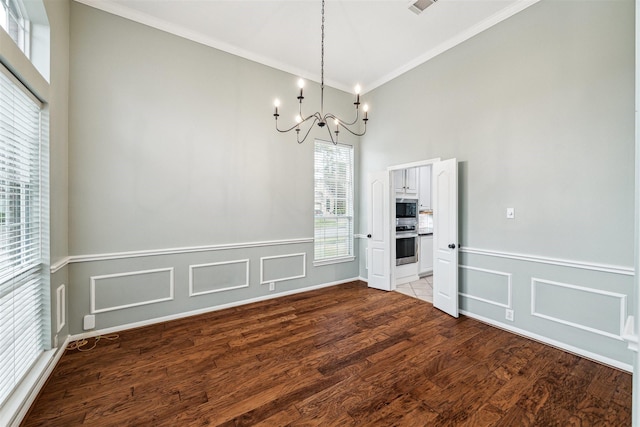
629,334
96,279
61,307
508,287
605,268
227,283
278,260
172,251
537,306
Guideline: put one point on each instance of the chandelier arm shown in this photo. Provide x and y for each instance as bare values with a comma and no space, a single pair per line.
355,133
300,141
294,126
342,122
345,125
334,142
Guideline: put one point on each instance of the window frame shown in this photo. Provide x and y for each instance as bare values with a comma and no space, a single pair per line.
14,12
323,205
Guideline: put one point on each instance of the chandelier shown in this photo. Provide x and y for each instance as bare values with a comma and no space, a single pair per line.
320,117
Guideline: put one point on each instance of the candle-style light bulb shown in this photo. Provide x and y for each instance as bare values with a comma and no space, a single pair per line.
357,90
365,108
298,119
276,104
300,85
336,122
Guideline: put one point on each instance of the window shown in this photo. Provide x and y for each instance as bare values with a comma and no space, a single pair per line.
24,284
333,236
14,20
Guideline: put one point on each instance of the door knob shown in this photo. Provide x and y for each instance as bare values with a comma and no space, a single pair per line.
452,245
368,236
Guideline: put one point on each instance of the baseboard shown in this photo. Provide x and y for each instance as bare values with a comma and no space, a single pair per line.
553,343
177,316
41,380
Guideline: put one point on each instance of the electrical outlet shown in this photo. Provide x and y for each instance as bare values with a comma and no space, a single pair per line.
89,322
272,286
511,213
508,314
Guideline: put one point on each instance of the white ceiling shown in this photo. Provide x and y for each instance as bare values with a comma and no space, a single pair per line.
366,42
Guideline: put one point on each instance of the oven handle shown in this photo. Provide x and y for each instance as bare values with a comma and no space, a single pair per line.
405,235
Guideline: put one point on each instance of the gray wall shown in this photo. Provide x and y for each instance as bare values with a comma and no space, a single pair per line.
173,150
539,112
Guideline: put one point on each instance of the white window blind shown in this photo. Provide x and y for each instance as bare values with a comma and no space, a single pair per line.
23,181
333,177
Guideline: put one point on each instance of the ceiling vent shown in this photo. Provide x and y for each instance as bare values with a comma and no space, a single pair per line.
419,6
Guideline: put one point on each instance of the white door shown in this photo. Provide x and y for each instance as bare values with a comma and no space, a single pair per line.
445,236
379,247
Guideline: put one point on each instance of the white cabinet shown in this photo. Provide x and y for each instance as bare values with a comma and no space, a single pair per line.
425,255
405,182
424,199
406,273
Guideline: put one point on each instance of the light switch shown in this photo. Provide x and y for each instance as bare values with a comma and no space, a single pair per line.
511,213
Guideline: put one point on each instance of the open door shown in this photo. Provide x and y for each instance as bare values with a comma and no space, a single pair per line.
445,236
379,245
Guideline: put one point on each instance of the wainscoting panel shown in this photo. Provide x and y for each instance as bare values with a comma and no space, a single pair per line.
489,286
218,277
61,307
600,312
282,267
131,289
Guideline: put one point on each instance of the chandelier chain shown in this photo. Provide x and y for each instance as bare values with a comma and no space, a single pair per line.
322,63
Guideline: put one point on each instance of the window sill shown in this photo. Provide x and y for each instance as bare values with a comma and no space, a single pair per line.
333,261
18,403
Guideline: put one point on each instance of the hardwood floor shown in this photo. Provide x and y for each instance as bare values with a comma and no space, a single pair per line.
345,355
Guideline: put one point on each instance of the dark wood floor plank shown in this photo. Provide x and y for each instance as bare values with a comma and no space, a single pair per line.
403,409
341,356
285,417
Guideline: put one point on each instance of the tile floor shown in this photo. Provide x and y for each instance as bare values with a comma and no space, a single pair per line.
421,289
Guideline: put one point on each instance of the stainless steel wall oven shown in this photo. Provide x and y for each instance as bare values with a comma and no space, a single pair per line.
406,248
406,231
